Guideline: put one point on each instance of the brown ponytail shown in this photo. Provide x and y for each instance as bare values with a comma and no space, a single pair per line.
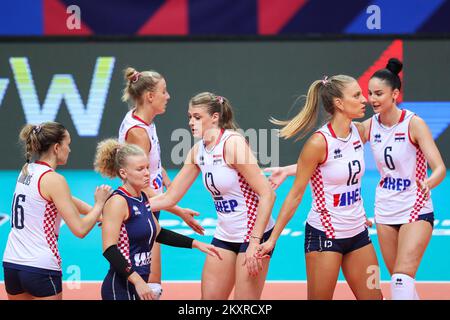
38,139
216,104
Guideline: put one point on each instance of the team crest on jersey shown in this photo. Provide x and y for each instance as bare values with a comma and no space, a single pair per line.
337,153
217,159
377,137
136,211
399,137
357,145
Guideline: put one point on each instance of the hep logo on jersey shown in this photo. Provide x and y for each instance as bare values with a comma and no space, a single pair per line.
347,198
142,259
157,182
225,206
396,184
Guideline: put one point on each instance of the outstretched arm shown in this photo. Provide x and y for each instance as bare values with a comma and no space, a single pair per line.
55,189
279,174
179,186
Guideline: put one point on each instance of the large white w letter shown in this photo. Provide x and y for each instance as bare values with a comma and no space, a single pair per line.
87,118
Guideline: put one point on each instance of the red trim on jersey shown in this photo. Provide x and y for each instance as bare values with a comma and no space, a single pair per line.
402,117
39,185
409,135
43,163
326,149
370,128
139,119
127,193
331,130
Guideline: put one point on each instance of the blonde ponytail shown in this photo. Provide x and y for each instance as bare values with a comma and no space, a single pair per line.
324,91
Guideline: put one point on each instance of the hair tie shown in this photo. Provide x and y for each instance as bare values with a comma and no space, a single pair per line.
220,99
37,129
135,76
325,80
28,161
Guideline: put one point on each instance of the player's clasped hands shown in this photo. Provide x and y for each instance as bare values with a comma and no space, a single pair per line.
253,263
264,249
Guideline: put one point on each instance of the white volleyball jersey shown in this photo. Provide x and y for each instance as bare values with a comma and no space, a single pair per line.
337,207
35,222
400,162
132,121
235,201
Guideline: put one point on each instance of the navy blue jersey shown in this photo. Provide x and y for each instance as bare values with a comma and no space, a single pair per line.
137,233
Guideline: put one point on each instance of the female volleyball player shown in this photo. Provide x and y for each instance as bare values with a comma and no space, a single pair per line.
129,228
242,196
402,145
31,261
147,92
332,161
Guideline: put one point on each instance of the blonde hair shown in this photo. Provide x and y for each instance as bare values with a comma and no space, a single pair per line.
324,90
111,156
38,139
216,104
139,82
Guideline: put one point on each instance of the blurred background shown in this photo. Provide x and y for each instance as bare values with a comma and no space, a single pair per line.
63,60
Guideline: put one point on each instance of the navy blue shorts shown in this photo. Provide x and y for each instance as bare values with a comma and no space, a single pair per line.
34,281
428,217
238,247
116,287
316,240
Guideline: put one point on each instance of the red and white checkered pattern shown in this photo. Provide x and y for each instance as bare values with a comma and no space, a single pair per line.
319,197
124,244
49,229
251,201
421,174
